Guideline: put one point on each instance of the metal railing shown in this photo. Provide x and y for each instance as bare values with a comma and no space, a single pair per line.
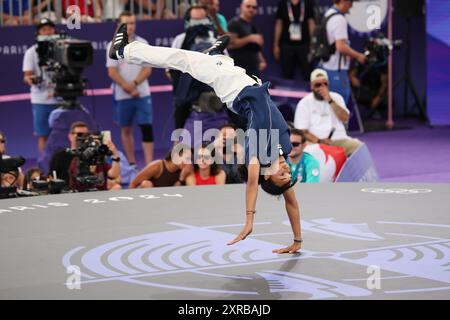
26,12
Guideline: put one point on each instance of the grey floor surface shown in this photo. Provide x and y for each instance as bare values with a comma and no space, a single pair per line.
382,241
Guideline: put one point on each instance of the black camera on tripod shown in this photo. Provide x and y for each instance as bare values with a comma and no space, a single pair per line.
65,59
90,151
378,48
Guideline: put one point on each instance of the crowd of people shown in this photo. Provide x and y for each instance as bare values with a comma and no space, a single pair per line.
320,117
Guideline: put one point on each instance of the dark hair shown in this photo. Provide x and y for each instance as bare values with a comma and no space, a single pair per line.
215,168
78,124
228,125
28,174
300,133
187,15
124,14
184,147
267,185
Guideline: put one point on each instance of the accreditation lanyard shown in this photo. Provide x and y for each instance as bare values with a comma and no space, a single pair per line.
296,169
291,12
295,30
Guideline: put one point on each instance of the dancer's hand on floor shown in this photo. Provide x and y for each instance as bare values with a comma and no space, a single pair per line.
293,248
244,233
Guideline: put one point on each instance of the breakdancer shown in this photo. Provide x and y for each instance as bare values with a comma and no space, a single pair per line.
248,98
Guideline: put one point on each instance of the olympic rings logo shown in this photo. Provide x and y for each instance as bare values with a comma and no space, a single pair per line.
396,191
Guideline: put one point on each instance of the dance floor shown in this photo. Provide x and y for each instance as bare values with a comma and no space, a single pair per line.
361,241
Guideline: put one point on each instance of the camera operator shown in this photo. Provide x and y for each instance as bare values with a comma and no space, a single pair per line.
337,32
42,100
94,174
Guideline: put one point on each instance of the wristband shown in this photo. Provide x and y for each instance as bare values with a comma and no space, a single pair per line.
298,240
116,159
249,212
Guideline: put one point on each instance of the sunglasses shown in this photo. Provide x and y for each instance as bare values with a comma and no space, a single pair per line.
296,144
2,140
322,84
251,7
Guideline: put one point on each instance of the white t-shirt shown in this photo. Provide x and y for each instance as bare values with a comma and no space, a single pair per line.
128,72
318,117
112,9
337,29
42,93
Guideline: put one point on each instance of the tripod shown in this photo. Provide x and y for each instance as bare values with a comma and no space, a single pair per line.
407,78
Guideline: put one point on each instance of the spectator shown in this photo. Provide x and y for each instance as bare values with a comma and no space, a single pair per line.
31,175
338,65
171,171
11,178
2,144
156,10
232,158
18,13
199,35
44,9
90,10
61,160
112,9
206,171
322,114
304,167
293,28
42,99
219,20
107,176
132,96
246,43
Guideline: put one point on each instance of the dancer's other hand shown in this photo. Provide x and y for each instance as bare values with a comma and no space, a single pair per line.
244,233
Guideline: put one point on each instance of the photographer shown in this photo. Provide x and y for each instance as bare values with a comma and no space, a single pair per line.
42,100
89,170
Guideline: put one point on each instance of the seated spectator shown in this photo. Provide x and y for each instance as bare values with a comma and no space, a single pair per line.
322,115
10,179
304,167
31,175
219,20
155,10
230,158
12,15
206,171
44,9
168,172
90,11
112,8
4,155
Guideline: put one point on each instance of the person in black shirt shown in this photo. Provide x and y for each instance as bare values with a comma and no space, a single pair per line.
246,43
293,27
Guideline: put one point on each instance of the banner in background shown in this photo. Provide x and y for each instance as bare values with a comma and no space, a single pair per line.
359,167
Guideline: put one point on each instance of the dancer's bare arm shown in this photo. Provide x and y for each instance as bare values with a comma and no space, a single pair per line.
251,195
294,218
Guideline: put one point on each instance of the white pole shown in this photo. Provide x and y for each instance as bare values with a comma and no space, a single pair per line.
390,119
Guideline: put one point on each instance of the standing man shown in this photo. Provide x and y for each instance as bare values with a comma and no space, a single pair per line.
132,95
338,65
42,100
293,28
246,43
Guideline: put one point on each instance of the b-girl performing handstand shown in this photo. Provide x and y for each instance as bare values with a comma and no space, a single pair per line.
244,96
